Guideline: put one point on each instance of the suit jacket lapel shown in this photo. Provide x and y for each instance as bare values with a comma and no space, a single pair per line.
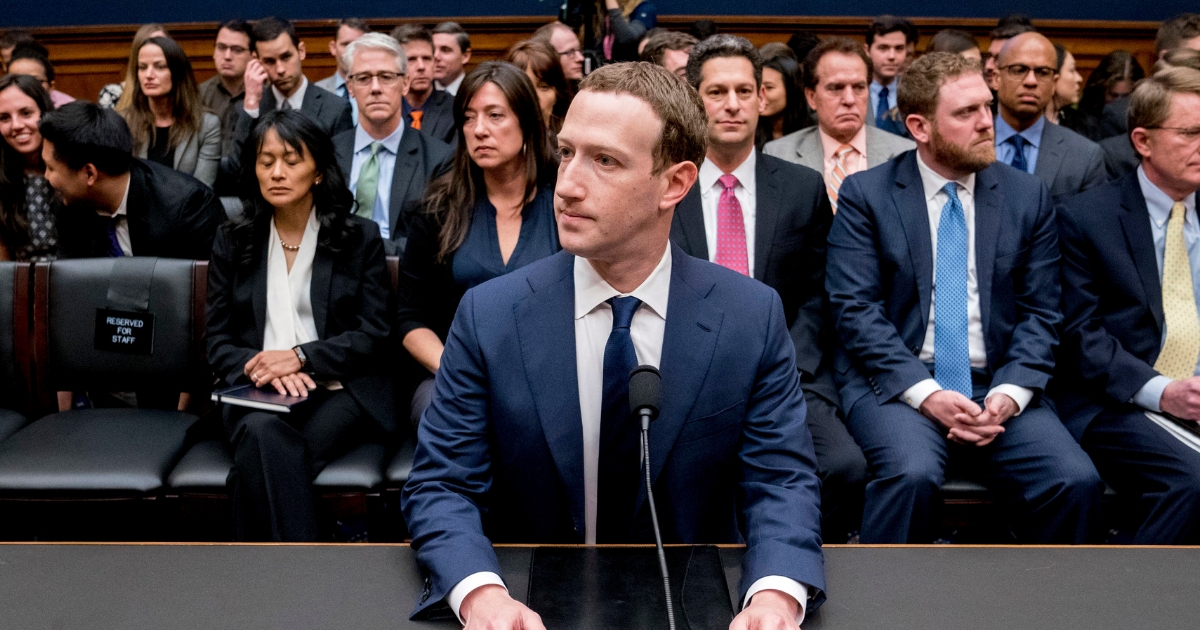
909,197
1136,222
322,276
1050,155
766,215
408,162
311,104
987,232
690,215
259,288
136,208
810,151
344,149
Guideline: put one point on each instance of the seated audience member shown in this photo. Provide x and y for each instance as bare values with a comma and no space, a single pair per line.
1067,90
566,42
348,30
27,60
943,280
451,51
703,29
540,63
1007,28
298,303
619,26
1132,334
801,43
110,94
887,46
117,205
531,417
8,41
427,109
1119,155
784,108
646,39
491,214
1110,82
669,49
768,219
28,206
772,50
952,40
386,166
165,115
836,73
223,93
1066,161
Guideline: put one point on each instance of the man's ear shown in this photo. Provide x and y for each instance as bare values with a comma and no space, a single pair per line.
919,128
467,56
300,48
679,180
1140,139
92,173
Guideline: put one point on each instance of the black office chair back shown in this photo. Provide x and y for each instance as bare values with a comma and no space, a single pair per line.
14,335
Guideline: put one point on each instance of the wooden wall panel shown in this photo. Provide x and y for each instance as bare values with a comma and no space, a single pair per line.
86,58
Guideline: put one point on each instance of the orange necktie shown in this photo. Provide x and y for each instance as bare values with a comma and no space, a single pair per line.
416,116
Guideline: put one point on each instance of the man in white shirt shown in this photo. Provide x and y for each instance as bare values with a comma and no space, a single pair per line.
451,51
943,281
347,31
531,410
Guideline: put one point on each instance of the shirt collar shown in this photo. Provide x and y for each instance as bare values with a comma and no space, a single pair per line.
934,182
1032,135
876,87
591,290
453,85
710,174
830,146
123,209
1159,203
296,99
362,139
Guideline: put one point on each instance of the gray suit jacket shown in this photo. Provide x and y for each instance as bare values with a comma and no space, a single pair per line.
1068,162
200,153
329,84
804,148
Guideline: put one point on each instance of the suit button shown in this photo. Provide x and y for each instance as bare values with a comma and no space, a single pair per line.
915,349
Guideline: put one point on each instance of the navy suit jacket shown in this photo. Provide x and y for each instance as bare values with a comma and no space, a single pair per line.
500,450
1112,301
880,278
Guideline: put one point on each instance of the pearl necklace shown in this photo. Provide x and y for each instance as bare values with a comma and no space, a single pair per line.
290,248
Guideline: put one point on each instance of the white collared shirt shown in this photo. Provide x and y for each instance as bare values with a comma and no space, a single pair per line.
710,195
935,200
387,168
453,87
122,215
296,99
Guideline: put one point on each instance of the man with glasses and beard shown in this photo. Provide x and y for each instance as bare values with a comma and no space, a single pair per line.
943,281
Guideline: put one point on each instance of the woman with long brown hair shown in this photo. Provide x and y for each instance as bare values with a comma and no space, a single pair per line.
110,94
540,62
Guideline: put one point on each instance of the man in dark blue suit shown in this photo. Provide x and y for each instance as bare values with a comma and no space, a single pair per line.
1132,336
943,281
529,437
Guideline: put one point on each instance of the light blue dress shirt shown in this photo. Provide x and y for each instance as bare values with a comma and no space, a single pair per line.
1159,205
387,168
1032,135
341,89
875,87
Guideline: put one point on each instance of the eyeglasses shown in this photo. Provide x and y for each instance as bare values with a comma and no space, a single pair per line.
570,52
1020,71
1188,134
237,50
386,79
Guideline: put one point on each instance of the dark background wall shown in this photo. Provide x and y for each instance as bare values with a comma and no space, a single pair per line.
79,12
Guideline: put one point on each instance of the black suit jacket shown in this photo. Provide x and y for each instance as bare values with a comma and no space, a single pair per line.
1111,301
1119,156
792,221
352,304
419,158
438,121
169,214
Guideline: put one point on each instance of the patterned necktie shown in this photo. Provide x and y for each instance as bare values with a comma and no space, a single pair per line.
416,118
731,229
367,188
617,469
1182,346
882,108
286,107
344,92
114,243
951,352
840,171
1018,160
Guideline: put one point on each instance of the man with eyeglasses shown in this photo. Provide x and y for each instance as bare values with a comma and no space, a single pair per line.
566,42
1131,340
1067,162
223,93
387,168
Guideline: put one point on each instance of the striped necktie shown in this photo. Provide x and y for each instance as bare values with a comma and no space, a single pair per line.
839,173
366,190
1182,346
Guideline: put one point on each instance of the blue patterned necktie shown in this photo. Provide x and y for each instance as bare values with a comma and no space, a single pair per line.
951,352
114,243
1018,161
882,108
617,485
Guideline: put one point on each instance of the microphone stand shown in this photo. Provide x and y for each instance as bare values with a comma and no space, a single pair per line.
662,557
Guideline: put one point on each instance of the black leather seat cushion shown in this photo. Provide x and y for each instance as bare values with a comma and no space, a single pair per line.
205,466
105,450
359,469
10,423
402,463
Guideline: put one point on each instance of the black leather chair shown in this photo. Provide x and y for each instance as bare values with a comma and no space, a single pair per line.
15,392
107,452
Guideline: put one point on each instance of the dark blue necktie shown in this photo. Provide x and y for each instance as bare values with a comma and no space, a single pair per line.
114,244
617,485
1018,161
344,92
882,108
951,348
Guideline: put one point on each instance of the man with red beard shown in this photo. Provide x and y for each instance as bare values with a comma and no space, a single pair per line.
943,281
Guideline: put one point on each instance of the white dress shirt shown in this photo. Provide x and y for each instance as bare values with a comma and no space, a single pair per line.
296,99
593,324
453,87
935,199
289,301
710,195
387,168
122,216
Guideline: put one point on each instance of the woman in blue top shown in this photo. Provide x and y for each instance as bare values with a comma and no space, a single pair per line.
492,213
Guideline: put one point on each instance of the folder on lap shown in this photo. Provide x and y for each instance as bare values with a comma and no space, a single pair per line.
255,398
1185,431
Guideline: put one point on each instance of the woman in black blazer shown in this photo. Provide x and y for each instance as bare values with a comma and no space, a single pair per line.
299,302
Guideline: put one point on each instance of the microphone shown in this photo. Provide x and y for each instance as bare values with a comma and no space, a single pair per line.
645,398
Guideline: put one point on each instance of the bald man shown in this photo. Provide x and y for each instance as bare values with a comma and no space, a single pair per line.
1067,162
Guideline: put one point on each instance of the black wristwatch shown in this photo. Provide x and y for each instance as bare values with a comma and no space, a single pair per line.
300,355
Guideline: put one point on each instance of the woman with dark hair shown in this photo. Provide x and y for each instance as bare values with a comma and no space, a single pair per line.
1067,91
540,62
298,304
165,115
491,214
28,206
1115,77
784,109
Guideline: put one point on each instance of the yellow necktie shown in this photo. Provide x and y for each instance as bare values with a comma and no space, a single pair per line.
1178,357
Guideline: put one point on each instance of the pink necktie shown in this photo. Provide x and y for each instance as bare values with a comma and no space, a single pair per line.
731,230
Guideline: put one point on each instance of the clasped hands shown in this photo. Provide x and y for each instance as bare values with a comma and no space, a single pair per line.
967,422
279,369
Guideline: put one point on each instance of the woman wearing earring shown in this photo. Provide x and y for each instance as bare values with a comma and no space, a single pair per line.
491,214
299,303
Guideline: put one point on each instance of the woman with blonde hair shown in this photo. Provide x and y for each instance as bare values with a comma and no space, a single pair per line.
111,94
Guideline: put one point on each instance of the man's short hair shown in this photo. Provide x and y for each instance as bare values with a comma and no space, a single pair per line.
271,28
15,36
1175,31
722,45
952,40
659,43
460,34
1150,103
802,43
885,24
684,135
1012,25
1178,58
843,45
412,32
920,90
357,24
26,51
376,41
85,133
239,26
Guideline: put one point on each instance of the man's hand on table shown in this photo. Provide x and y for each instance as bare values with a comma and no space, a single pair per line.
768,610
490,607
